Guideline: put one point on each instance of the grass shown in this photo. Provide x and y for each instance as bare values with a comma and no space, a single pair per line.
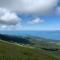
15,52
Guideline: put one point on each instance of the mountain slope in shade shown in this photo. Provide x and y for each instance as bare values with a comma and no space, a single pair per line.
14,39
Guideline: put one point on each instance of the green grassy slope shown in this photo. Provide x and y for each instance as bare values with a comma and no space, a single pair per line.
14,52
48,46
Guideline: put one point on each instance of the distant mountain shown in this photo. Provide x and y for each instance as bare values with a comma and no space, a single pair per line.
14,39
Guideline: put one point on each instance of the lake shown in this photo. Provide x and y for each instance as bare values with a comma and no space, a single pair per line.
55,35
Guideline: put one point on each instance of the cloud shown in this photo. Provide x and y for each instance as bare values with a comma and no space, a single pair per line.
41,7
10,27
36,21
8,19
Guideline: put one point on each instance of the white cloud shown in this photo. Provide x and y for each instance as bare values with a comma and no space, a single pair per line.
8,17
36,21
10,27
8,20
30,6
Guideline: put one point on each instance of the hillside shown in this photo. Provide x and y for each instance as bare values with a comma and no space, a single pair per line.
14,52
28,48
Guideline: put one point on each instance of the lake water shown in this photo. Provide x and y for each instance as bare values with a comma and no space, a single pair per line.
55,35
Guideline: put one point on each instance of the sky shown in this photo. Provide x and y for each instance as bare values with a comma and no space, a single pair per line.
29,15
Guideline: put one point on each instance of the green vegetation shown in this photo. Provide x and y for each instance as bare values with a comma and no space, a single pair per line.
28,48
14,52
